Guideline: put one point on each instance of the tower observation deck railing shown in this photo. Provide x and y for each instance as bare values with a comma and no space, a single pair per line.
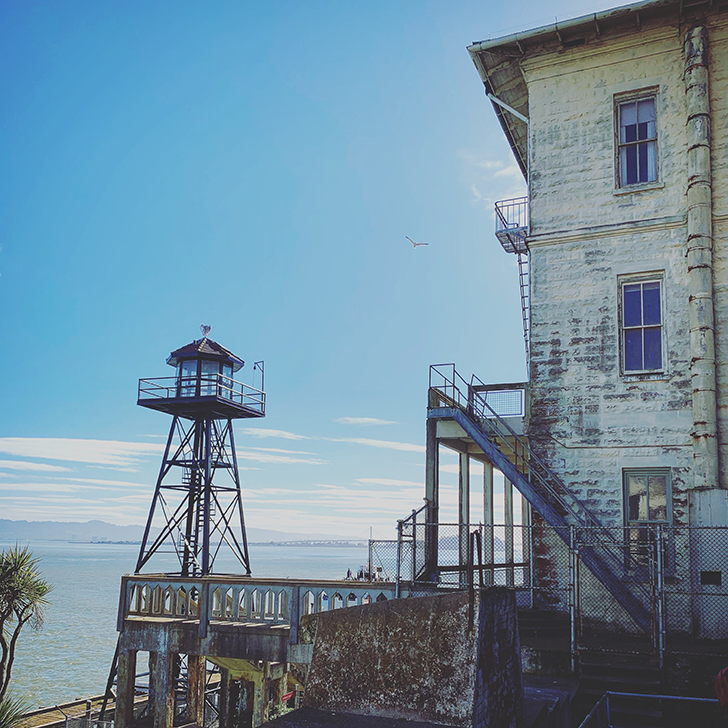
207,385
511,224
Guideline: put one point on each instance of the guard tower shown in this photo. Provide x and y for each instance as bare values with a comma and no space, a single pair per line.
197,499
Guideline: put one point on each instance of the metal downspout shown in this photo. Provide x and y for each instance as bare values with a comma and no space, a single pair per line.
700,261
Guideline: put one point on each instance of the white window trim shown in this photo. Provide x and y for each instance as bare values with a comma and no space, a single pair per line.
655,277
628,97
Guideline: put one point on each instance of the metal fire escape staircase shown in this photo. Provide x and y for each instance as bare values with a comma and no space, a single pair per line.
452,398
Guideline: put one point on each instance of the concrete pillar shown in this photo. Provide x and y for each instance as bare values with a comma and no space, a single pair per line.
125,681
463,512
432,496
700,261
224,704
508,531
196,689
488,519
162,677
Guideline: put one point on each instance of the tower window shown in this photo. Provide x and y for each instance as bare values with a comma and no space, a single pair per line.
642,326
637,142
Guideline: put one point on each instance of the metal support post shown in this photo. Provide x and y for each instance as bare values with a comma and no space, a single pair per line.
371,573
526,548
508,531
659,594
413,573
399,559
572,595
432,496
463,512
489,550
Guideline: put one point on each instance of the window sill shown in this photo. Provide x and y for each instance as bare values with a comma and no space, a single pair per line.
630,189
645,376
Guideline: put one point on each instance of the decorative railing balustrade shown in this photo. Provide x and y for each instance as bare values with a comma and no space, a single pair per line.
206,385
242,600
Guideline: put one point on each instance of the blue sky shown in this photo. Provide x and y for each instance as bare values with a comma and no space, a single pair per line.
255,167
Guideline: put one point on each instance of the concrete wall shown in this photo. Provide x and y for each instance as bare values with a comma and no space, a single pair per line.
588,419
417,659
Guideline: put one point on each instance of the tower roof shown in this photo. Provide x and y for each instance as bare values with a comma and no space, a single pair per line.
205,349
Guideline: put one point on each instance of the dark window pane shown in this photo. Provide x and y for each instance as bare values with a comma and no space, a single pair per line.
651,304
643,130
632,165
633,350
633,305
642,148
653,348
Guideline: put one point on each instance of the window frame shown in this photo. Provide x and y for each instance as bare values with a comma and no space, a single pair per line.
626,472
654,277
628,98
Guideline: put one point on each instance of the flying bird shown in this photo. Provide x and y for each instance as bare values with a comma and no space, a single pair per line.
414,244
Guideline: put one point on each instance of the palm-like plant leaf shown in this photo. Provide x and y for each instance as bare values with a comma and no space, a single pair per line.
11,711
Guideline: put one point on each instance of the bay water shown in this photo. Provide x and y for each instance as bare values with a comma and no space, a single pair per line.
71,655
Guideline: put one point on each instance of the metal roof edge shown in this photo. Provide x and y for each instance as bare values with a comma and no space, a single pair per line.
555,28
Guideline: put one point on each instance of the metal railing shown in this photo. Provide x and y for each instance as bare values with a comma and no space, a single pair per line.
680,568
207,385
683,711
454,391
511,224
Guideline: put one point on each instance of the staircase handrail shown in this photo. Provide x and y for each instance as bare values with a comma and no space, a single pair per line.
583,517
475,397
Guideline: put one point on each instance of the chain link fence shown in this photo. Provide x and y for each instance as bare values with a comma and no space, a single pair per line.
674,590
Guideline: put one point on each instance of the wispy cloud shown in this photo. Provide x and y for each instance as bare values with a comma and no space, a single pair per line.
272,458
39,467
263,432
109,453
277,449
387,481
385,444
363,421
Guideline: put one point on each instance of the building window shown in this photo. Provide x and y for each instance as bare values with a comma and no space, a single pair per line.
647,503
647,496
637,141
642,326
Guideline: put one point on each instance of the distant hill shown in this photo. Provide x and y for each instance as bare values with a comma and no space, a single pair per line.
102,531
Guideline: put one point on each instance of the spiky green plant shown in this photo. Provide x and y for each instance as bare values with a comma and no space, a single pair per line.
23,592
11,712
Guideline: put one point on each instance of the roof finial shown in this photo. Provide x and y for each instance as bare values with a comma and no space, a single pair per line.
205,330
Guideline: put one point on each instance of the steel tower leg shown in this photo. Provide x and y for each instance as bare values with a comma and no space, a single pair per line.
197,500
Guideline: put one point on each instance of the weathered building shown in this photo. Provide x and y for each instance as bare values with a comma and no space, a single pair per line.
618,441
618,121
624,152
